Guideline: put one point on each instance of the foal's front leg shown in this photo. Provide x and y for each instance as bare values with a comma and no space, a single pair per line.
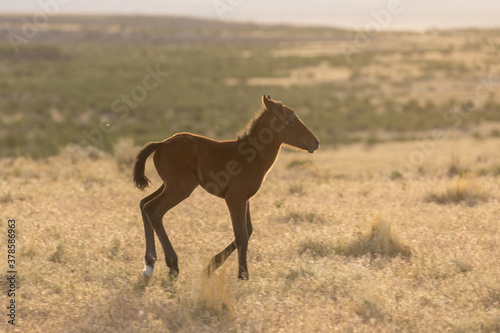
238,212
221,257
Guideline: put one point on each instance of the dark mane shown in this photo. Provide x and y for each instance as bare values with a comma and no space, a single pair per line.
251,124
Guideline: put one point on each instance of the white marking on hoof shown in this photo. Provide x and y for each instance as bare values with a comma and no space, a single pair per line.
148,271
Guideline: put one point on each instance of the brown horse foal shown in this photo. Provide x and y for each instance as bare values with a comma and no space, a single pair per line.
233,170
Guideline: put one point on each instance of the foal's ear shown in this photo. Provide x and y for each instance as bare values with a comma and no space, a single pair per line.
268,102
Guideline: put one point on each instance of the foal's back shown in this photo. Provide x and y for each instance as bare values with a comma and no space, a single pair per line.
189,156
190,150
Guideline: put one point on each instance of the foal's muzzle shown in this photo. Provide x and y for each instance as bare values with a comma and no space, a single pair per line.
313,145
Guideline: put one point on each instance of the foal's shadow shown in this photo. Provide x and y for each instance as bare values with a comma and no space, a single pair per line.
142,283
168,284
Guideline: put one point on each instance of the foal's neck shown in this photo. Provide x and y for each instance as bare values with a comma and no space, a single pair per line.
266,140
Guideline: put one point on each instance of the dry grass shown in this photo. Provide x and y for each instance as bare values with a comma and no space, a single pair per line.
311,269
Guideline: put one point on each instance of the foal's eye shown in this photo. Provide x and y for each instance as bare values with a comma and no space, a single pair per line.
290,118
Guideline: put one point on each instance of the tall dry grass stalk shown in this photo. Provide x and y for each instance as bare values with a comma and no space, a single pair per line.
217,293
380,239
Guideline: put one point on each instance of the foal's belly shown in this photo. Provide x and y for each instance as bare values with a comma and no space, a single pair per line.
223,184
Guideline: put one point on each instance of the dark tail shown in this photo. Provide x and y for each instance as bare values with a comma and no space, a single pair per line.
140,180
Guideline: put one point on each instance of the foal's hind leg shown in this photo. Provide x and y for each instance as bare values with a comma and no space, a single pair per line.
150,256
221,257
171,195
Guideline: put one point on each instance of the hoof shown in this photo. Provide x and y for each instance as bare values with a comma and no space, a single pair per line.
243,276
173,274
148,271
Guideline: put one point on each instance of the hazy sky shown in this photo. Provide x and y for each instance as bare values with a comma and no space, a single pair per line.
413,14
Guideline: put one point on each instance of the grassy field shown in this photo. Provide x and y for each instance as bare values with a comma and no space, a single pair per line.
344,241
67,84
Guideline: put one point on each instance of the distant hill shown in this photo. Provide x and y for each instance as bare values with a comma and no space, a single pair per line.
164,30
84,80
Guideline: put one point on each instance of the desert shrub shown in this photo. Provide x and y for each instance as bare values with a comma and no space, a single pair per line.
294,274
495,133
297,189
6,198
58,255
482,172
455,168
369,308
298,163
296,217
463,189
395,175
125,152
463,266
76,153
380,239
372,140
473,325
310,169
316,247
491,299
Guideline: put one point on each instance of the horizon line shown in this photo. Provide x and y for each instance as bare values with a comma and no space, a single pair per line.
305,24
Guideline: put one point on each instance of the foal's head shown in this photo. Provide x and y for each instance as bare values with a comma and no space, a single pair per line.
290,129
